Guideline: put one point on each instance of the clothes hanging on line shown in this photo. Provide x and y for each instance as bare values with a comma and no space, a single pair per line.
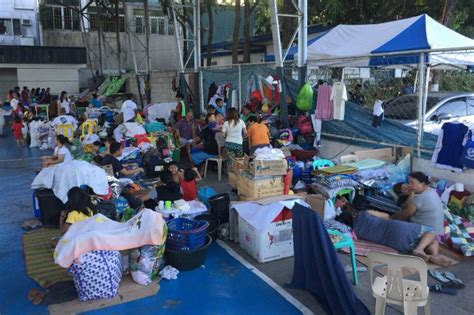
338,98
324,103
449,147
378,114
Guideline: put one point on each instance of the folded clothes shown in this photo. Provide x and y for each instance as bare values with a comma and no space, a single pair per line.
336,181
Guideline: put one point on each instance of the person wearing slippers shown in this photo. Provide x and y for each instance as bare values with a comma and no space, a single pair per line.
423,206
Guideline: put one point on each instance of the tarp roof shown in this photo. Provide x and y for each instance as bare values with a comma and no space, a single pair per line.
406,35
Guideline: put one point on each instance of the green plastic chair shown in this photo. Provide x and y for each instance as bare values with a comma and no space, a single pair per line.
346,242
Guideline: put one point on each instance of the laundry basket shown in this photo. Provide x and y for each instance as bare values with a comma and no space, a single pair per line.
185,234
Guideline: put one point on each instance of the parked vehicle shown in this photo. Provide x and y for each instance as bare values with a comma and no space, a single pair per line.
440,108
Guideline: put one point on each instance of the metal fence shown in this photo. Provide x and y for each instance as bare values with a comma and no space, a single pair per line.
435,86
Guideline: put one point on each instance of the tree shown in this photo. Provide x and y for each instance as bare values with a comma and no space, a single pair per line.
248,9
210,31
235,35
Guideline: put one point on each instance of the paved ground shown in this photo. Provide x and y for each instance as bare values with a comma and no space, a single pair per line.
16,173
281,271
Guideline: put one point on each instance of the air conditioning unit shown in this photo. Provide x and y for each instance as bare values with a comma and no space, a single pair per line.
26,22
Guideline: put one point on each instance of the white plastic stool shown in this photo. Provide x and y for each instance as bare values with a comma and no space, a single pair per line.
219,167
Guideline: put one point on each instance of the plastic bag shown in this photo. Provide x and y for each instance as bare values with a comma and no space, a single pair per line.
205,193
304,100
147,261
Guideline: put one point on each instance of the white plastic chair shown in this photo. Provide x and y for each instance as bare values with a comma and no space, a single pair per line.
219,161
393,289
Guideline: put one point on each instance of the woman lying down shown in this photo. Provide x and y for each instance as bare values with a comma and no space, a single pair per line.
406,237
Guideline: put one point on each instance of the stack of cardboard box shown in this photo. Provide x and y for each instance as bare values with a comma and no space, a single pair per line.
258,178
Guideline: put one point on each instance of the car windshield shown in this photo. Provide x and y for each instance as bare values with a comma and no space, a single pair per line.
406,107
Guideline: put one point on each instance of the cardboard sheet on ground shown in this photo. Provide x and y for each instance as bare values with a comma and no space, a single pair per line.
62,177
127,292
101,233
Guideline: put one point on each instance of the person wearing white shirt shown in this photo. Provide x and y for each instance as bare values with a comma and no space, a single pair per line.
234,132
64,119
64,102
61,153
14,102
129,109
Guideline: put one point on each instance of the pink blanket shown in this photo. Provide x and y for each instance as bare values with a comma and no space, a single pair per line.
101,233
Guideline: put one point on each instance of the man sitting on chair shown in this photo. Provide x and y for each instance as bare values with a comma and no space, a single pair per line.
64,119
208,139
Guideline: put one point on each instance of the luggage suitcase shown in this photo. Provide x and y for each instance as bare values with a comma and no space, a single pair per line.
50,207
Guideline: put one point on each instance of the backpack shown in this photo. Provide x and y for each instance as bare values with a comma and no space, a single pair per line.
304,124
467,156
107,208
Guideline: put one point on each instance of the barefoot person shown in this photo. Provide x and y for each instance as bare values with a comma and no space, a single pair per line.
423,206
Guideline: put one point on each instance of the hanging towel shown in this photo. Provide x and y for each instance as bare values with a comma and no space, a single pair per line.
317,267
338,98
449,147
324,103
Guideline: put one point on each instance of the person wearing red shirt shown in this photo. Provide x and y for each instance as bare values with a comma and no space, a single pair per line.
17,134
188,183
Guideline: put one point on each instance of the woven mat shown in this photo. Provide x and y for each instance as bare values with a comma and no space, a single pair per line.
39,260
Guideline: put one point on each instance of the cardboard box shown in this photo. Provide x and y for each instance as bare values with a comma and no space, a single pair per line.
259,187
267,167
238,165
317,203
275,241
232,180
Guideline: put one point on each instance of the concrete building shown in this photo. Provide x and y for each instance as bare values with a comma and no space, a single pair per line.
62,26
19,23
24,62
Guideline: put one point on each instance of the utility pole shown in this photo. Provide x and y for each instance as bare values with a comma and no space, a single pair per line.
302,42
117,33
99,34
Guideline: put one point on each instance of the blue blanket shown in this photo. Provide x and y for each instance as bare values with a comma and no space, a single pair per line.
317,267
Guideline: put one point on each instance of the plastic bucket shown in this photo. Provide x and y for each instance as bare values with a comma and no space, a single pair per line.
220,206
213,223
188,260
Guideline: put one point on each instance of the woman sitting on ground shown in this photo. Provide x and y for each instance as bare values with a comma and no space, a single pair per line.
61,153
78,208
423,206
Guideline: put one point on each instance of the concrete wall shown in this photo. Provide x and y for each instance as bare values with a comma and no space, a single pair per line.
8,80
161,91
333,150
227,60
57,77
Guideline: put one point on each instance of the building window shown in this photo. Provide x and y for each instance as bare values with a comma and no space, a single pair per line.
122,23
161,26
67,19
139,25
170,29
76,22
58,18
154,25
16,27
5,27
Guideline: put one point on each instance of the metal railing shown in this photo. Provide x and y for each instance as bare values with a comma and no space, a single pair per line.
42,55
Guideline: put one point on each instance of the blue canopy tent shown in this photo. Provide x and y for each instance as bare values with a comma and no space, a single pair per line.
380,43
416,41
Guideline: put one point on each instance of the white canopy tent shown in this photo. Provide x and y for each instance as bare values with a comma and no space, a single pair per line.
397,42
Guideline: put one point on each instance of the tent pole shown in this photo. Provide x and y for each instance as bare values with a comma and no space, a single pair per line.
239,104
421,85
302,42
279,61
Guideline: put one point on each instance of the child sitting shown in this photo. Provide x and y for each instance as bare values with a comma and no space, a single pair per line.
169,190
77,209
176,173
188,183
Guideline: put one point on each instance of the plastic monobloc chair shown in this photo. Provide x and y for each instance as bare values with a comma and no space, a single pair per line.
343,243
393,289
219,167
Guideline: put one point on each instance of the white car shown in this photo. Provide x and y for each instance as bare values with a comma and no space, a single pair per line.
440,108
